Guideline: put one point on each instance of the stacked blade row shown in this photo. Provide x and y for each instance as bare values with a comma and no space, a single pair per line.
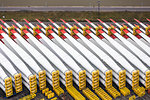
95,54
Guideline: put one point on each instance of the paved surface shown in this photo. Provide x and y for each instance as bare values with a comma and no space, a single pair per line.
106,8
74,2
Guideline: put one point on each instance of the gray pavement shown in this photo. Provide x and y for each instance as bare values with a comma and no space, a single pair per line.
81,8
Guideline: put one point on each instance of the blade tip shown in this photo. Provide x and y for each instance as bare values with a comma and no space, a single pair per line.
51,21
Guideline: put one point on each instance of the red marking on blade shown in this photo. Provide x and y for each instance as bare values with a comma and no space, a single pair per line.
88,26
76,26
50,20
125,36
3,26
88,36
27,26
1,37
50,36
39,26
38,36
13,31
1,31
138,36
25,36
63,20
25,31
88,31
100,20
38,31
88,21
15,26
50,31
148,19
14,21
38,20
75,36
63,31
148,35
100,36
113,36
2,21
51,26
125,21
75,31
113,31
137,20
63,37
75,20
64,26
26,20
138,31
126,31
112,20
135,25
13,37
101,31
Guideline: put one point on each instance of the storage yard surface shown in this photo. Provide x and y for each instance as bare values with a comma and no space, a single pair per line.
66,96
74,3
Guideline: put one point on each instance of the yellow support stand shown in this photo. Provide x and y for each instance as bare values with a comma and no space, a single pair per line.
122,30
140,91
21,29
82,79
109,86
89,94
9,30
1,27
132,97
56,85
84,30
109,30
73,28
8,87
95,79
74,93
59,30
102,94
33,84
134,30
97,30
70,88
48,92
147,29
28,97
69,80
45,90
122,83
46,29
147,82
33,95
34,30
42,80
125,91
50,95
95,86
18,82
